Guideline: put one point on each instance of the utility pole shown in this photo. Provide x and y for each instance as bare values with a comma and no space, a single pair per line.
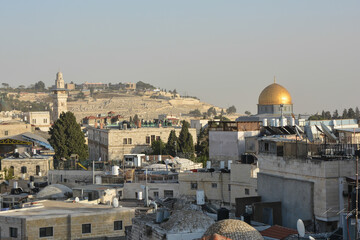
357,152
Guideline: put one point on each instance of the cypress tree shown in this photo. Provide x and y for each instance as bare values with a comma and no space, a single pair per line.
67,138
186,142
171,146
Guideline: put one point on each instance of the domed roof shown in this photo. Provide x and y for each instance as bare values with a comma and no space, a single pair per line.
54,191
233,229
274,94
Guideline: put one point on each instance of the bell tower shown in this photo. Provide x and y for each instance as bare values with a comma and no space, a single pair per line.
59,97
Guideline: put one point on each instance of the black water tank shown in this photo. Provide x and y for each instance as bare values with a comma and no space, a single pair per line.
222,214
32,178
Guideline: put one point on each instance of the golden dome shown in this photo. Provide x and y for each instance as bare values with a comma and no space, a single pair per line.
274,94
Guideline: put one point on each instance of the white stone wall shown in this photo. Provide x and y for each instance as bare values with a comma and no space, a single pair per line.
227,145
131,188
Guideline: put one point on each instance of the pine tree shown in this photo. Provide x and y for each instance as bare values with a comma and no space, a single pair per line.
335,114
357,113
186,143
158,147
67,138
345,114
171,143
351,113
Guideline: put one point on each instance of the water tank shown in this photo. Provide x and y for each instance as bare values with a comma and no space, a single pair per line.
283,122
39,174
159,215
125,126
273,122
115,170
200,197
32,178
222,213
208,164
98,180
34,151
222,165
31,185
147,158
140,196
15,184
264,122
292,121
159,158
229,164
277,122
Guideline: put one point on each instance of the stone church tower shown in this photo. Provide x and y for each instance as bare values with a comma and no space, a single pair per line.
59,97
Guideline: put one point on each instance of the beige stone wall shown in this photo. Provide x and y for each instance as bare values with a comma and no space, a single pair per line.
70,226
38,119
13,128
6,223
131,188
228,185
324,174
45,165
109,144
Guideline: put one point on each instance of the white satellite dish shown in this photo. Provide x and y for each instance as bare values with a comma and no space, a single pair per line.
311,238
300,228
115,203
77,200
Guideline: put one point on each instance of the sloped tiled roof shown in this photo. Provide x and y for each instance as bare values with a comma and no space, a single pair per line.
278,232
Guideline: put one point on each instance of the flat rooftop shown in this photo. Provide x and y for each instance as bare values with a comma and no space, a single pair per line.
50,209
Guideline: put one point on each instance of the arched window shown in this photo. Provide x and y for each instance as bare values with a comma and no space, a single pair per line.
37,170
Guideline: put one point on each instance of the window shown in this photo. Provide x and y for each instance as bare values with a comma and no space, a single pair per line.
266,146
247,191
214,185
6,133
86,228
117,225
129,140
157,138
152,138
229,187
13,232
147,140
168,193
156,194
125,141
193,185
45,120
46,232
34,121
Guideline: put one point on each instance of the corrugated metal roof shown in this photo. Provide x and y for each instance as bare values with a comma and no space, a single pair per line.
278,232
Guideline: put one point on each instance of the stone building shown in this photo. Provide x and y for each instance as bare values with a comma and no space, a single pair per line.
60,220
112,143
221,187
308,180
39,120
59,97
30,166
11,128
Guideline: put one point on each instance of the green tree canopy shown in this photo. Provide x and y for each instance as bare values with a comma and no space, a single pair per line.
40,86
211,112
158,147
231,110
171,146
186,142
195,113
67,138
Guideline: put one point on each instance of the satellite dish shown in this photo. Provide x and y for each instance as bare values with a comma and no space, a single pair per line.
300,228
77,200
115,203
311,238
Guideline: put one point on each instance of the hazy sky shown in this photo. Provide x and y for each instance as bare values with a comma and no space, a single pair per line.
224,52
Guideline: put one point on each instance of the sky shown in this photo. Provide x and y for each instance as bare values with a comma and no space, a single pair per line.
224,52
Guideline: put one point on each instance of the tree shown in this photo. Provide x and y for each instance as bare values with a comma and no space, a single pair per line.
211,112
186,143
231,110
345,114
8,174
247,112
357,113
335,114
67,138
136,119
351,113
195,113
40,86
158,147
171,146
5,85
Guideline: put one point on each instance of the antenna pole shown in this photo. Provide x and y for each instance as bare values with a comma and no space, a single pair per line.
357,192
